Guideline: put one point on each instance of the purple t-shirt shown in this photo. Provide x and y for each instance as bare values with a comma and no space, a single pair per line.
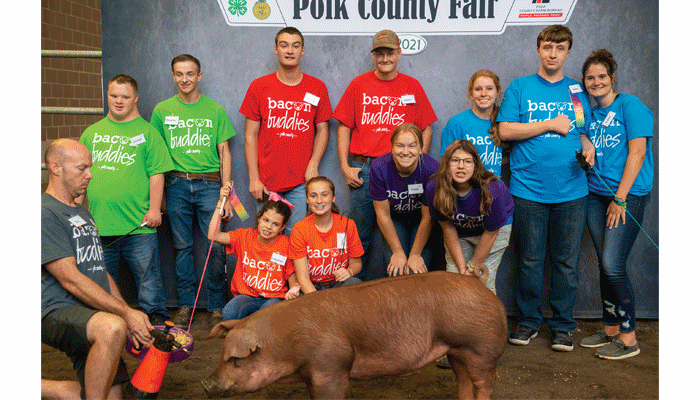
404,194
467,219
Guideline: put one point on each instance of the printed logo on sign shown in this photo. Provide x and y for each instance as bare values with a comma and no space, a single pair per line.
237,7
261,10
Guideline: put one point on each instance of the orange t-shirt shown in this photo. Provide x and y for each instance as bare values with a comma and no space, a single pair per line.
262,270
325,251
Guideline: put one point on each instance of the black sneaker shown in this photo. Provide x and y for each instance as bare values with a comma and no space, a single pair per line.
562,341
521,335
157,319
182,318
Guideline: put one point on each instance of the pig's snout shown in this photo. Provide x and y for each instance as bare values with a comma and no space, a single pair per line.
213,388
482,272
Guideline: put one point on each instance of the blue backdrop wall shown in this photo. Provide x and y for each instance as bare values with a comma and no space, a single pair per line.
140,37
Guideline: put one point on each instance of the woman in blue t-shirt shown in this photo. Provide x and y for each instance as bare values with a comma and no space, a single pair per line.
396,185
474,209
477,124
622,129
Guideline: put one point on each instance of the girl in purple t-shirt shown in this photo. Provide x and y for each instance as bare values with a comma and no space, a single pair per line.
474,209
396,185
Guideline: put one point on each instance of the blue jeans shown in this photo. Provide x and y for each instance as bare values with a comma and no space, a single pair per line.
362,213
613,247
243,305
296,196
406,230
184,197
141,254
537,226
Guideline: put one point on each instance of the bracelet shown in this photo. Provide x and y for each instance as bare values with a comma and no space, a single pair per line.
471,265
621,202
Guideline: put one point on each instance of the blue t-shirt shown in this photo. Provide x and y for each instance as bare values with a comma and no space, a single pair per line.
466,125
631,119
467,218
405,195
544,167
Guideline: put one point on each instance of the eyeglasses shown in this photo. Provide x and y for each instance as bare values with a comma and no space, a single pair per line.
469,162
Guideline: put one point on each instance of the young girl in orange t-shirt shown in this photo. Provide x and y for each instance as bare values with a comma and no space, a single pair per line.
325,246
263,266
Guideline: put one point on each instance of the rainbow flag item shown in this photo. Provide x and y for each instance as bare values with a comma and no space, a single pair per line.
575,92
237,205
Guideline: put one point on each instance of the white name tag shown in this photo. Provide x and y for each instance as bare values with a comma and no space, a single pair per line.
341,241
608,118
416,188
408,99
575,88
137,140
278,258
171,120
311,99
77,221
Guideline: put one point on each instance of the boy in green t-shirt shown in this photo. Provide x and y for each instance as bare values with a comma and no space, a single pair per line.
129,162
196,131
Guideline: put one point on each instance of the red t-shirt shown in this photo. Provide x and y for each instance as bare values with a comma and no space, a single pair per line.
262,270
325,251
373,108
288,116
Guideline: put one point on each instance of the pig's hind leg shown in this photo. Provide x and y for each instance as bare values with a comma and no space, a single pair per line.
475,374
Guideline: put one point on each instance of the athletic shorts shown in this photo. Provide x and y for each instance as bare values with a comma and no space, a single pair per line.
66,329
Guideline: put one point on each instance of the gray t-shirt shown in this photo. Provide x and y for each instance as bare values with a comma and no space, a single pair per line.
68,232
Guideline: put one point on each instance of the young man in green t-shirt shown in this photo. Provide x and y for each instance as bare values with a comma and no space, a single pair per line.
130,159
196,131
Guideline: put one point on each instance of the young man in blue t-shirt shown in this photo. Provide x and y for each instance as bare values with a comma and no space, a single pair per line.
545,115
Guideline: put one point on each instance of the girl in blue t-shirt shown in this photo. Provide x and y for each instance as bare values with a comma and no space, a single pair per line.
622,129
396,185
474,209
477,124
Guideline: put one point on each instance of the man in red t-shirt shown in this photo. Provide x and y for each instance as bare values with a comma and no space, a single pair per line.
286,129
373,105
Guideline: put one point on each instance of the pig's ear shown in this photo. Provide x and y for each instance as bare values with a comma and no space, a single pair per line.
243,344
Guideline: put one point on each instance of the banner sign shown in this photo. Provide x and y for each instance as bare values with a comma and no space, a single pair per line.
426,17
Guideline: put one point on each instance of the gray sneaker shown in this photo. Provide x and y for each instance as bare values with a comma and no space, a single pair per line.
598,339
521,335
616,350
562,341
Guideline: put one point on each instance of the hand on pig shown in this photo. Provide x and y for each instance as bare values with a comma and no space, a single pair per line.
397,265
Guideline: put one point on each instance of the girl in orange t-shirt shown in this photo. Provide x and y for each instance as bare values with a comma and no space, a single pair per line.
325,246
263,266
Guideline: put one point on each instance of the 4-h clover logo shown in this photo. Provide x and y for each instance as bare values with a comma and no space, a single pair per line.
237,7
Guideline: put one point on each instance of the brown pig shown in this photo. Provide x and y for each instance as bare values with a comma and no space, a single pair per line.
387,327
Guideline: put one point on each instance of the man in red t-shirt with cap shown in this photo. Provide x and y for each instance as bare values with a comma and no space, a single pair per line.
373,105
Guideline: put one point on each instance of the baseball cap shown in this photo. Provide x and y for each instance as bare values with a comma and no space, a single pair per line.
385,38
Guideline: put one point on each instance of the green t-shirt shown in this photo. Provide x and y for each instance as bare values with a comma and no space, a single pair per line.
192,132
124,156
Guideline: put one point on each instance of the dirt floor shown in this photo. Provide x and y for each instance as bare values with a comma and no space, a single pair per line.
530,372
